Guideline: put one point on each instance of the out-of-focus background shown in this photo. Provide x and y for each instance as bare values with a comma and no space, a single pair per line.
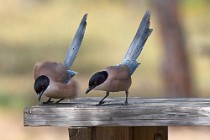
174,63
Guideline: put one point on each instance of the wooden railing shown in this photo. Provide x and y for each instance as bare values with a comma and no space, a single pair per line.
141,119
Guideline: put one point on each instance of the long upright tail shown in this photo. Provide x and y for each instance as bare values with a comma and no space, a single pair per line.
138,42
75,45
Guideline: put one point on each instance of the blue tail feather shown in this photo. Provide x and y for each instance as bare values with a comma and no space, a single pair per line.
76,43
138,42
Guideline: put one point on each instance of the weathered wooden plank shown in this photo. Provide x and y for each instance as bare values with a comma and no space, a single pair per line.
139,112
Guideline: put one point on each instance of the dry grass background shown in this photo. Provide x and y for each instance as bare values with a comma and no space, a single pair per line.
34,30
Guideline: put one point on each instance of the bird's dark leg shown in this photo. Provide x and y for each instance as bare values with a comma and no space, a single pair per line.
126,99
102,101
48,101
59,101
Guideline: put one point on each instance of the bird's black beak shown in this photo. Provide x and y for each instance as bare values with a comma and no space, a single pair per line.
89,89
40,95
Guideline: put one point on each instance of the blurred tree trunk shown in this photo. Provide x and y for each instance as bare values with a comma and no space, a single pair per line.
175,66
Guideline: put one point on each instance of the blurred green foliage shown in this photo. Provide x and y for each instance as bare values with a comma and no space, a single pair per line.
34,30
16,102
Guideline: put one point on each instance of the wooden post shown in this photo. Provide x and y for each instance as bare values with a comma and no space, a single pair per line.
151,133
82,133
119,133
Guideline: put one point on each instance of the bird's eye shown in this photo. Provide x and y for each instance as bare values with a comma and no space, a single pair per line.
95,83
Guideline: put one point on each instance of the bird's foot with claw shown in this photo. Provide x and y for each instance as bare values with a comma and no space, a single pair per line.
47,103
126,103
100,103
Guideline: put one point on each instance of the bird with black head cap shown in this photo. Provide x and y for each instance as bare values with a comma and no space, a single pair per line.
54,79
118,78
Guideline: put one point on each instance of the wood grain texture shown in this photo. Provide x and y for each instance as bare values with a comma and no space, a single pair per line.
119,133
83,133
112,133
83,112
150,133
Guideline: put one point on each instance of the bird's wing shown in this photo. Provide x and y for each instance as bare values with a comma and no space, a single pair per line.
75,45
